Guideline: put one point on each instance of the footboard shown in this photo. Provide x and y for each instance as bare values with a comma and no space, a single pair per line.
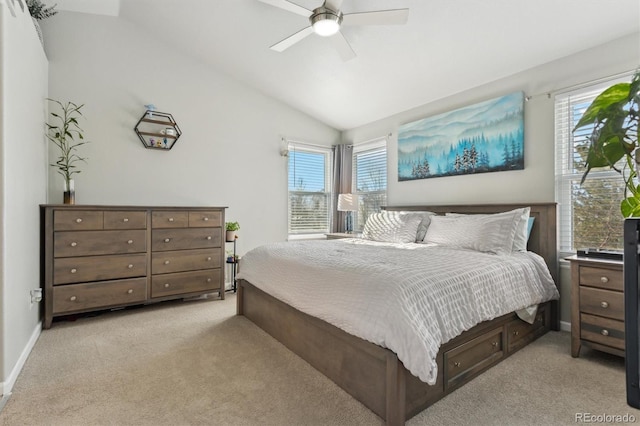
374,375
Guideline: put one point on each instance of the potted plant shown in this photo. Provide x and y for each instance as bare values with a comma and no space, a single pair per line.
67,135
614,115
231,228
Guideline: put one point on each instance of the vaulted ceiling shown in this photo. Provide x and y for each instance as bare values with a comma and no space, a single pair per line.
447,46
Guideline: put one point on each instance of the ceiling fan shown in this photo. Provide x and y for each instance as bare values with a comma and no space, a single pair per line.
327,19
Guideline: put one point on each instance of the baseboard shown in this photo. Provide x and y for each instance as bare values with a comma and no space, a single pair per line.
4,400
565,326
7,385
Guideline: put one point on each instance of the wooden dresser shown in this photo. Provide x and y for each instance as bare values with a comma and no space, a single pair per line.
99,257
597,305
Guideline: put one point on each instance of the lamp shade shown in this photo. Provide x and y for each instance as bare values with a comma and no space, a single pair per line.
347,203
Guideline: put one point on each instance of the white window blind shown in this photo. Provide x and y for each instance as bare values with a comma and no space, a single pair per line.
589,213
309,189
369,180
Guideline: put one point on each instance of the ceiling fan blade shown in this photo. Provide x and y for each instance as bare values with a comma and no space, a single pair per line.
287,5
379,17
343,46
333,4
292,39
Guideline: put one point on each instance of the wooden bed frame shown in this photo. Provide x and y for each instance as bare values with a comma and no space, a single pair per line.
374,375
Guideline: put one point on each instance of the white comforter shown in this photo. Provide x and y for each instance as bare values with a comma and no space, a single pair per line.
409,298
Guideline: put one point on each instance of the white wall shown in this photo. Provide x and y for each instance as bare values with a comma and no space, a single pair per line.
23,89
228,154
536,182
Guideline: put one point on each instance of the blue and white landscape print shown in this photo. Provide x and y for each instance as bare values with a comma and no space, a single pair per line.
485,137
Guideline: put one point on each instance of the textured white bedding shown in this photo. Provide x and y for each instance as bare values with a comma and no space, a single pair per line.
410,298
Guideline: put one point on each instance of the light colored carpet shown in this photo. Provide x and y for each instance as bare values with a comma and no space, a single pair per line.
195,363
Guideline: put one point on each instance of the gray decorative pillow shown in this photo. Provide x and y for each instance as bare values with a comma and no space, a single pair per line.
391,227
425,220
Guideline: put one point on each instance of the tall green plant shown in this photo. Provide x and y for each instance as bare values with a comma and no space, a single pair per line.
614,115
66,134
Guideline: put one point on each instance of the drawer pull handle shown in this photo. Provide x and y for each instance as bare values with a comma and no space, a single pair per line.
73,270
130,266
166,240
73,298
78,220
206,219
494,344
456,364
166,262
208,258
73,244
516,333
129,241
166,285
605,305
208,237
130,291
208,280
126,219
170,219
604,332
604,279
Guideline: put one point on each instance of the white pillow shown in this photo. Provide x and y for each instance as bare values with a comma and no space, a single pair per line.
521,218
491,234
425,220
391,227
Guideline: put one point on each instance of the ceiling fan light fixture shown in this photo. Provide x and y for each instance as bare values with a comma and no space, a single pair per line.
325,22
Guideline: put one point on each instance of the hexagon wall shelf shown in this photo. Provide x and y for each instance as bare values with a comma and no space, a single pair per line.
158,130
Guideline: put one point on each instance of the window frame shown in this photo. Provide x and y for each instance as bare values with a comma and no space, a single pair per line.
565,173
327,151
362,148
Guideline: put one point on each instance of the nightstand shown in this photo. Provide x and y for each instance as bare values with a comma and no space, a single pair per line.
597,305
339,235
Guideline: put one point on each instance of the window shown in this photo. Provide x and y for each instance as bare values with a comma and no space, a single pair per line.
309,189
589,214
369,180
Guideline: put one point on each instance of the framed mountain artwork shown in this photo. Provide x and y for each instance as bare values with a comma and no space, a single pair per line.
480,138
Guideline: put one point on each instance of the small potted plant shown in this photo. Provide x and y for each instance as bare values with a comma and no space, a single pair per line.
231,228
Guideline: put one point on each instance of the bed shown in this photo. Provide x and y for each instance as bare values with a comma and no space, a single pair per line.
373,374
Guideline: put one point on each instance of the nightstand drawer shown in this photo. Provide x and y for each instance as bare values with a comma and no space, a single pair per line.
604,303
602,330
609,279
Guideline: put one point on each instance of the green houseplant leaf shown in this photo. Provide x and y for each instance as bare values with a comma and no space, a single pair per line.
613,117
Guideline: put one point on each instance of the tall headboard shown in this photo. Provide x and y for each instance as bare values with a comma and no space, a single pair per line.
543,234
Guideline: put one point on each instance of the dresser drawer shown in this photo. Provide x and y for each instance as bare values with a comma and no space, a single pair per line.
98,268
77,220
610,279
125,220
185,260
178,239
604,303
185,282
473,356
89,243
519,332
208,219
78,297
169,219
605,331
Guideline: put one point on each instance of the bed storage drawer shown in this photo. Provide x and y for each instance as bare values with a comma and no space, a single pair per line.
472,357
185,282
519,332
79,297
